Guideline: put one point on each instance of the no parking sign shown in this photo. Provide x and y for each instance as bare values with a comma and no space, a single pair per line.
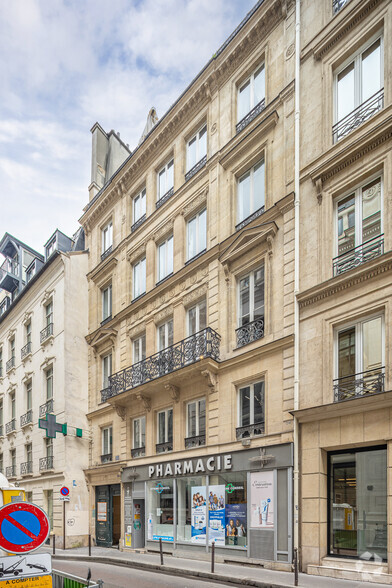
23,527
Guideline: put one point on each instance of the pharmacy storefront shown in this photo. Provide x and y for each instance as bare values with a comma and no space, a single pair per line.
241,501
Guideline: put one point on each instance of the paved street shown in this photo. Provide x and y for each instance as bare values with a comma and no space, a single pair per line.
118,577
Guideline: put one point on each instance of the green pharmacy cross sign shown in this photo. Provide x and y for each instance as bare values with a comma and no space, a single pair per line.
49,423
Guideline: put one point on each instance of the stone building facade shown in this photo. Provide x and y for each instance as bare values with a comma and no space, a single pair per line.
43,371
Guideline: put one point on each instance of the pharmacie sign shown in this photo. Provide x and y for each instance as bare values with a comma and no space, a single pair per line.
218,463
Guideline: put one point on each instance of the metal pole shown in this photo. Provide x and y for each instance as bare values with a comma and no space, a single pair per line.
295,566
160,550
89,545
63,524
213,557
54,544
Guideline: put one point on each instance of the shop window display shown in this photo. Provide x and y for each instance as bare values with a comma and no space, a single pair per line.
227,509
160,522
191,510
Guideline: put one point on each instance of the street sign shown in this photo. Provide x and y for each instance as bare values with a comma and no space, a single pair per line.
23,527
24,566
35,582
64,498
64,491
49,423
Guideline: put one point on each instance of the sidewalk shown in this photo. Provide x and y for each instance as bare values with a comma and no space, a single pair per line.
230,574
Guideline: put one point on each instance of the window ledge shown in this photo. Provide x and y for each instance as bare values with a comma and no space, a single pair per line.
195,257
138,297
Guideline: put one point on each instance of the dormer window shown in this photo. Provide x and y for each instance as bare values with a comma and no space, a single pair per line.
50,248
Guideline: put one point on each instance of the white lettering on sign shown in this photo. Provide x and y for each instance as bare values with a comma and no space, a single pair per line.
178,468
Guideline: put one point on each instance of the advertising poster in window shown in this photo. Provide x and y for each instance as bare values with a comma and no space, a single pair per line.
262,500
199,518
216,513
236,523
102,512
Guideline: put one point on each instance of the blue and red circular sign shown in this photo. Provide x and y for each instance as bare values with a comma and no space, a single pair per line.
23,527
64,491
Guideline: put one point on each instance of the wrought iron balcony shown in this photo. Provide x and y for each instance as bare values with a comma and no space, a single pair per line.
164,447
250,218
138,452
250,116
10,472
46,463
164,198
5,304
10,364
46,408
26,468
358,116
26,419
197,441
358,385
10,427
138,223
203,344
106,458
105,393
196,168
46,332
338,5
361,254
250,332
26,350
106,252
250,431
9,275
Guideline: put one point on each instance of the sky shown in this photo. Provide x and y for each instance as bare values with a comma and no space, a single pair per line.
66,64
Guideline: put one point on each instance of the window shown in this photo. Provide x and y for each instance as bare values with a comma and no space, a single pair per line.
250,410
139,432
107,442
160,496
165,179
29,452
49,450
29,395
1,363
359,359
197,318
165,335
107,303
251,92
165,258
139,206
28,332
13,460
50,248
139,278
196,148
1,464
197,234
165,430
196,418
250,192
12,405
12,348
251,307
107,237
358,227
1,414
49,314
139,349
49,383
357,497
359,82
106,370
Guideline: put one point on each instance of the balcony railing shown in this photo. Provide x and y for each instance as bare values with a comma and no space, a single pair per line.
165,197
138,223
250,332
197,441
46,463
338,5
203,344
26,419
250,116
106,252
250,431
10,364
26,350
9,266
359,255
46,408
164,447
138,452
10,472
26,468
46,332
358,385
358,116
193,171
106,458
10,427
250,218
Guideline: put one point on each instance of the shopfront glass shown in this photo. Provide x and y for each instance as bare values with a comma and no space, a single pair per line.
191,510
227,509
358,504
160,521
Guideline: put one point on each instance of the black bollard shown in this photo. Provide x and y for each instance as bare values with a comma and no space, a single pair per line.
89,545
54,544
213,557
295,567
160,550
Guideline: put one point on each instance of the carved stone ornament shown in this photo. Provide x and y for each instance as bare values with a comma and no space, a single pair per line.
290,51
197,202
195,294
319,190
212,380
163,314
27,377
11,333
145,400
163,230
47,297
214,128
47,361
174,392
135,254
11,388
121,411
27,318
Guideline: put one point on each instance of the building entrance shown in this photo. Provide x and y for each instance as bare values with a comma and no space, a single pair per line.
108,515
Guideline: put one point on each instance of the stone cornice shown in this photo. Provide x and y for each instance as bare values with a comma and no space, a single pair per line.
363,273
339,27
244,354
102,272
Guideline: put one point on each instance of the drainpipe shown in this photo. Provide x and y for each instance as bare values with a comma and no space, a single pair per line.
296,269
